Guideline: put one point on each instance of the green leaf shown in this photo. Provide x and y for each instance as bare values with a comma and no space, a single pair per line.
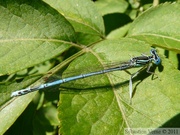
159,26
12,110
108,6
118,33
82,15
31,33
100,104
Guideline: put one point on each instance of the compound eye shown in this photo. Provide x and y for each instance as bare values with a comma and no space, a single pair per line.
157,61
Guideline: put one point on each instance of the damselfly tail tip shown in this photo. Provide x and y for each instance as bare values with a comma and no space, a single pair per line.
15,94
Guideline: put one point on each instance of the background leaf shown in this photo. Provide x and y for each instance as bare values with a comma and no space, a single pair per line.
29,31
108,7
159,26
88,22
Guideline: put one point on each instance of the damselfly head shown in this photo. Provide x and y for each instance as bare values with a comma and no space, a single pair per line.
156,58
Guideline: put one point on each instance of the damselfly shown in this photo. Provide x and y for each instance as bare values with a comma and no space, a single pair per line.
143,61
